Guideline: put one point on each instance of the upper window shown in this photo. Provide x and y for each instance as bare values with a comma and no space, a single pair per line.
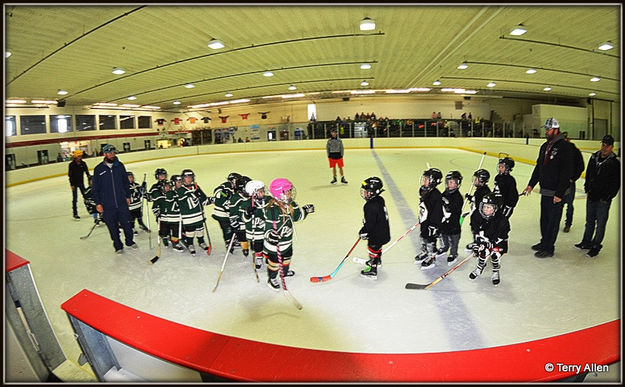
107,122
32,124
126,122
85,122
9,123
61,123
145,122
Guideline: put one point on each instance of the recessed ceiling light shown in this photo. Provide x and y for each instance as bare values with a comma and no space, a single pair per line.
364,83
292,87
118,70
547,88
61,92
7,54
518,30
595,79
367,24
491,84
530,71
216,44
436,82
132,98
592,94
365,66
228,95
462,66
268,74
606,46
15,101
176,102
189,85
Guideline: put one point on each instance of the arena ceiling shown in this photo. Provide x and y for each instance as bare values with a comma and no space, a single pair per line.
316,48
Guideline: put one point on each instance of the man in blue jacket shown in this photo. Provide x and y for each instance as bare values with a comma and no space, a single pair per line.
111,193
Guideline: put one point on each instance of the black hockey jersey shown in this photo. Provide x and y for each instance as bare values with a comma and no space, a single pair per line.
495,229
505,184
450,224
430,210
375,222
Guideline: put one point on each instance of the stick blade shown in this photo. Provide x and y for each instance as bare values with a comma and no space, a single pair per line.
153,260
210,248
321,279
416,286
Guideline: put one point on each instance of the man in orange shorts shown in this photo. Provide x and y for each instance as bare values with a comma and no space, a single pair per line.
334,149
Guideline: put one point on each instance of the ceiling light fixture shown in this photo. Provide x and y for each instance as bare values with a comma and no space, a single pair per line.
530,71
463,66
268,74
7,54
491,84
15,101
132,98
43,102
228,95
547,88
365,66
367,24
189,85
216,44
118,70
364,83
595,79
592,94
61,92
606,46
436,82
292,87
176,102
518,30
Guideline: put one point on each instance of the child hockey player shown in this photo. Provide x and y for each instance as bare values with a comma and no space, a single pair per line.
238,202
450,225
90,204
191,199
280,214
221,199
137,192
375,229
480,180
490,229
506,186
430,216
160,175
254,219
169,215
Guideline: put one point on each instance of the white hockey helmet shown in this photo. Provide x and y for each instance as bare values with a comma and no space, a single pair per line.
253,186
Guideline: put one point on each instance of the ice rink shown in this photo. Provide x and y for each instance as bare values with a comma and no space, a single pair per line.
537,298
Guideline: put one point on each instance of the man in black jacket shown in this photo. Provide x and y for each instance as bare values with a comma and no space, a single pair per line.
603,180
553,171
75,171
578,168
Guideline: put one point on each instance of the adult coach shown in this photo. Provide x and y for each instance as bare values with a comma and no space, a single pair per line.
553,170
578,168
334,149
111,193
603,180
77,167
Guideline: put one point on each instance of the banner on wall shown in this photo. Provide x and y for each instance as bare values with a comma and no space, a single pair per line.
255,132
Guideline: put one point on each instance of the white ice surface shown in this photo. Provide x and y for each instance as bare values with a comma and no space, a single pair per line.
537,298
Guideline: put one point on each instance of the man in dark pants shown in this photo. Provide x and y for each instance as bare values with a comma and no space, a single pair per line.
603,180
553,171
111,193
75,171
578,168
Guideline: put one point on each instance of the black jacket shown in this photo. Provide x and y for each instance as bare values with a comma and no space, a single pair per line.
505,184
578,162
111,187
603,177
553,167
451,225
432,205
495,229
75,172
376,221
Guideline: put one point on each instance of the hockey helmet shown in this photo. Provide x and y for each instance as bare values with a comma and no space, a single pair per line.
130,174
163,185
482,176
490,204
455,176
77,153
434,175
187,173
373,186
241,182
252,187
175,179
280,189
108,148
160,171
232,178
507,162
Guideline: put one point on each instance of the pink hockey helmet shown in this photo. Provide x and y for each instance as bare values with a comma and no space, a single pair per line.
280,187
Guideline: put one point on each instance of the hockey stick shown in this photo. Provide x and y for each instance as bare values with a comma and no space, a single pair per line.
331,275
464,214
439,279
87,236
284,289
158,249
254,242
210,245
223,265
362,260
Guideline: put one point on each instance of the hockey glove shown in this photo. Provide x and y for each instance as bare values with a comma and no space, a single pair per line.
234,224
468,196
249,211
308,208
273,237
432,231
211,200
157,212
364,235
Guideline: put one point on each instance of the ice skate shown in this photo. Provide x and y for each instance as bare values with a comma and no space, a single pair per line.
476,272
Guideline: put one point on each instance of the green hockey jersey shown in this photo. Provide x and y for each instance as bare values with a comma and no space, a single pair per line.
283,223
222,195
191,200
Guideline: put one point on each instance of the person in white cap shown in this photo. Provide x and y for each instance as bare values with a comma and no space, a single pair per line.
553,170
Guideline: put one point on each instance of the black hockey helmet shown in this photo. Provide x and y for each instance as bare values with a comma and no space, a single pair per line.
232,178
162,184
187,172
175,178
494,200
160,171
240,185
482,175
456,176
130,174
434,175
508,162
373,185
